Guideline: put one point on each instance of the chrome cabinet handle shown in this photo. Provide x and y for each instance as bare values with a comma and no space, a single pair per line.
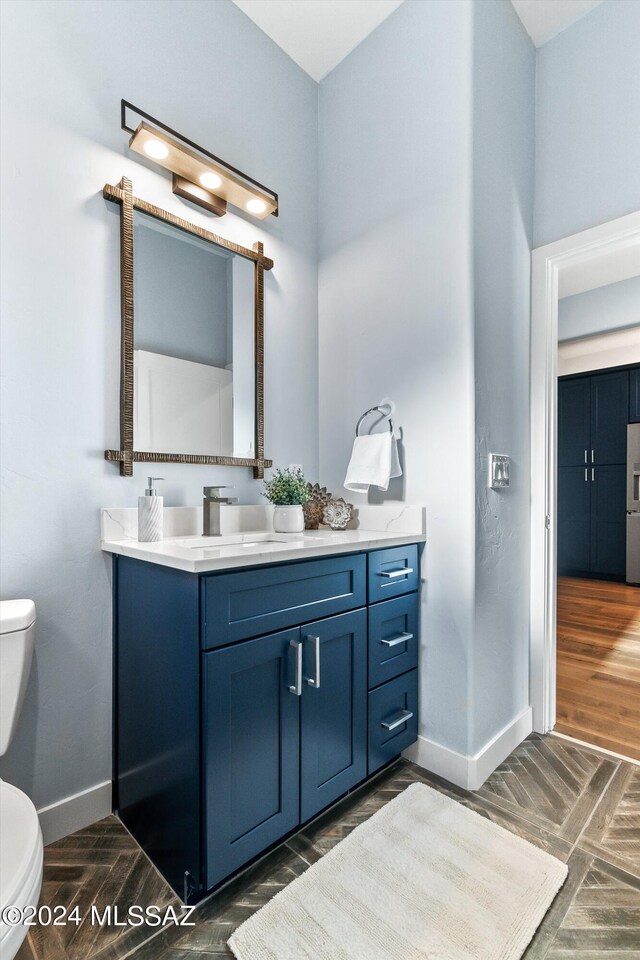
402,638
593,459
315,681
389,574
406,715
585,457
586,474
593,474
297,686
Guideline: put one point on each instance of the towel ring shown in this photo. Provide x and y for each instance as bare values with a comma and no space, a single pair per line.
373,410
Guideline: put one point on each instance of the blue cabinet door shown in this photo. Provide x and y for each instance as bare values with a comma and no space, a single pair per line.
609,412
574,520
333,726
574,421
634,396
608,520
251,749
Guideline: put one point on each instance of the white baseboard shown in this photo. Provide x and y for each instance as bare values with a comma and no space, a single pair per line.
470,772
72,813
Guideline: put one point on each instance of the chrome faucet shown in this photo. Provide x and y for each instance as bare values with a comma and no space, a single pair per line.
211,503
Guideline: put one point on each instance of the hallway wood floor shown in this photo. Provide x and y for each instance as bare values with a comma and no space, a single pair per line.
598,670
574,802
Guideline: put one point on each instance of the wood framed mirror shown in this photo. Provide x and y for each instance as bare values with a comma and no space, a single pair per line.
192,360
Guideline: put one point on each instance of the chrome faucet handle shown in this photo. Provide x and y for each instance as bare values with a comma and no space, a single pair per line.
213,493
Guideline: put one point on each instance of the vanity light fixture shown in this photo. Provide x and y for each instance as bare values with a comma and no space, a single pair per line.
198,176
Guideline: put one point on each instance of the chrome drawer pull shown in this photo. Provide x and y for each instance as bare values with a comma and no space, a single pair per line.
396,640
389,574
406,715
315,681
297,686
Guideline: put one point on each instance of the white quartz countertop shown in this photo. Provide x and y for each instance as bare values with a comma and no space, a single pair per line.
197,554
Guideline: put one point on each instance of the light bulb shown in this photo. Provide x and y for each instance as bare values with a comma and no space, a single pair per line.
156,149
256,206
211,181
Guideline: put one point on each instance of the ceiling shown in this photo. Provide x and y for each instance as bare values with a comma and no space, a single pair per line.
318,34
544,19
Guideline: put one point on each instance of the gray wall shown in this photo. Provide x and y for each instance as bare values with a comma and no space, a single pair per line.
588,122
613,307
65,66
183,295
426,196
503,169
396,313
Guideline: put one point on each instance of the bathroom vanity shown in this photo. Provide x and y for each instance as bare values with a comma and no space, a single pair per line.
256,682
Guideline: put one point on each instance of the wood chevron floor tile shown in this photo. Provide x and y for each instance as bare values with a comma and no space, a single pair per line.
552,783
578,804
614,829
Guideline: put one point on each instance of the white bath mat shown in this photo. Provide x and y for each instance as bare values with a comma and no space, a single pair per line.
423,879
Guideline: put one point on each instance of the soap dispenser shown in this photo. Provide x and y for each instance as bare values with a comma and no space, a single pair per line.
150,514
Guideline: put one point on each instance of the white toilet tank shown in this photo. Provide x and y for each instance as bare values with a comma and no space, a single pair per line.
17,629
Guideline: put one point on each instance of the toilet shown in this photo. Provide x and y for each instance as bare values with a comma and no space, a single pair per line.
21,846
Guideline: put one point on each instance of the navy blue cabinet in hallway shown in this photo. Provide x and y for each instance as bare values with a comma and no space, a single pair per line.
574,421
609,410
608,519
333,728
634,396
593,411
574,520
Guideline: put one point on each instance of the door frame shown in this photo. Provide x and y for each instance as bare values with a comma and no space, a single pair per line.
621,236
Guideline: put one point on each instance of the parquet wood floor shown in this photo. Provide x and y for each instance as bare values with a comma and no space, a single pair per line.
598,665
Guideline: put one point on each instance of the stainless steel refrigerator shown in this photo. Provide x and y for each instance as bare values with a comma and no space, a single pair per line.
633,503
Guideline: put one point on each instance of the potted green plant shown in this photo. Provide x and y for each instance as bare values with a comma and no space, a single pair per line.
287,490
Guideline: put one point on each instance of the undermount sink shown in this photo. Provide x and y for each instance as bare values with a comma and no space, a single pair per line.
245,540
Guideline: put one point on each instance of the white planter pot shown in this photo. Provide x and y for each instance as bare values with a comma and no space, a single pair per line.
288,519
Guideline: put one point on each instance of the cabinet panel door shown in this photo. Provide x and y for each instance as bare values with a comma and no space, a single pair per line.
609,412
574,520
634,396
333,728
574,424
250,748
608,520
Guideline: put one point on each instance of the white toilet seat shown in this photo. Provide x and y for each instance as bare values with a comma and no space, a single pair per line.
21,856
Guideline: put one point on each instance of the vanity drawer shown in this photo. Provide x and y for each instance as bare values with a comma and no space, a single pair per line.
393,719
247,603
393,638
392,572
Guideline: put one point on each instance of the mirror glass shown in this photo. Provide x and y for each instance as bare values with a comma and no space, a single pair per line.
194,379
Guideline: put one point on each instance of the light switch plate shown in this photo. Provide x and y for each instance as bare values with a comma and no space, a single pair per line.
499,471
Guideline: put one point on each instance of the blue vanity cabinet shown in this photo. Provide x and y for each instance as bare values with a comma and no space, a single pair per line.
156,737
248,701
333,705
250,750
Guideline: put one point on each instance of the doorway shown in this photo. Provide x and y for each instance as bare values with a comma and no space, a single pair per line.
594,258
598,612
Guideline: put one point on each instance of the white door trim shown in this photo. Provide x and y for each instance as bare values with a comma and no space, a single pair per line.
623,236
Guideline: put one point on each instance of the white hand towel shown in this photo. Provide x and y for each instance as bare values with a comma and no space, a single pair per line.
374,461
